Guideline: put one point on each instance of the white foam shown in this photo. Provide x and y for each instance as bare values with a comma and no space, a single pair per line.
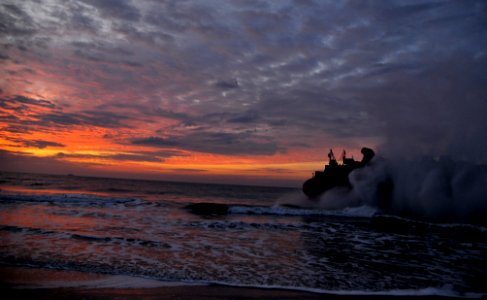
444,225
122,281
360,211
445,291
68,198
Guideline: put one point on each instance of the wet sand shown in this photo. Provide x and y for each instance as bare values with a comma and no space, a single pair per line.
30,283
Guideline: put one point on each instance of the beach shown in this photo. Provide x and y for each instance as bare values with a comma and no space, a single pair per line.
48,284
55,284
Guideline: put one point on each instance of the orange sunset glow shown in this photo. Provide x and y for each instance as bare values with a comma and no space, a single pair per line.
64,113
90,148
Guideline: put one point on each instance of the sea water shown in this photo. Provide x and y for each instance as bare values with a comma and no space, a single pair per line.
142,229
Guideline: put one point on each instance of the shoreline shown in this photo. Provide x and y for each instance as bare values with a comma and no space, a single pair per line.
196,292
42,283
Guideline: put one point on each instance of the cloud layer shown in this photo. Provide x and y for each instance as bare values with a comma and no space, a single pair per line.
251,78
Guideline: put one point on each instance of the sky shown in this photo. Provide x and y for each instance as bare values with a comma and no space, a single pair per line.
241,91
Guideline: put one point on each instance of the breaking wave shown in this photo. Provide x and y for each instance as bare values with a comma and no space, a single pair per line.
361,211
72,199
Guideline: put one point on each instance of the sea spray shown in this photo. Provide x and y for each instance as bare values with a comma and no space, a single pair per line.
337,198
440,190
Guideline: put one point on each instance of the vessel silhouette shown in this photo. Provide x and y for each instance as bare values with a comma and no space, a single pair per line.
335,174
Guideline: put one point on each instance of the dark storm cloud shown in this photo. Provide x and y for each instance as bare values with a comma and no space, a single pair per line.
23,115
122,9
100,51
7,117
178,20
155,142
139,157
104,118
147,110
229,84
16,101
81,20
41,144
89,118
59,118
213,142
14,21
184,170
250,116
153,156
16,128
137,35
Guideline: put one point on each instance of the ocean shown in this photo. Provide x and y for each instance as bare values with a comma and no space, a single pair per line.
144,230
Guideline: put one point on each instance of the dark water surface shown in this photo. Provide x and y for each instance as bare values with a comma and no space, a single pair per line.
141,229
